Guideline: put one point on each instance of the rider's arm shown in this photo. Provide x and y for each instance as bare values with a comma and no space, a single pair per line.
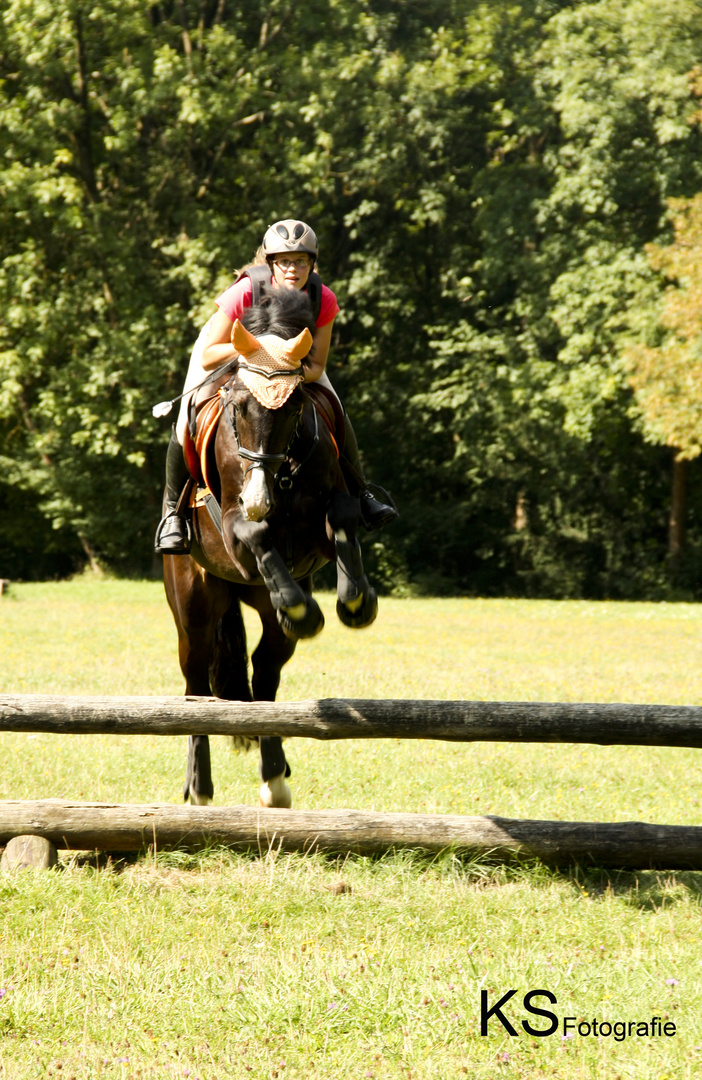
317,359
219,348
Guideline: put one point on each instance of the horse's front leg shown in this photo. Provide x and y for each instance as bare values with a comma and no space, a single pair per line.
272,652
357,601
273,765
297,612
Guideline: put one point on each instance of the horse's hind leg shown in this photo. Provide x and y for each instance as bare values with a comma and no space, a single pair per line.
274,772
229,676
198,785
357,602
199,604
195,643
273,651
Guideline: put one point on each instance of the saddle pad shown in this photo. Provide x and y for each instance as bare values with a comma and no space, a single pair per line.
197,450
198,409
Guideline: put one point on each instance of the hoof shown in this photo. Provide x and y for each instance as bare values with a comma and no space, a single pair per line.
308,626
275,792
362,616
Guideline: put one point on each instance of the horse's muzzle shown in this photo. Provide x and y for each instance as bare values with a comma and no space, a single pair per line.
255,499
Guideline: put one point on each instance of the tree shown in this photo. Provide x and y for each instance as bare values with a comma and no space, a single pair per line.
129,158
667,377
484,178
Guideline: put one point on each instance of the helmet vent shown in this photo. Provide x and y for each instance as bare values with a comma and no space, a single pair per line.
289,235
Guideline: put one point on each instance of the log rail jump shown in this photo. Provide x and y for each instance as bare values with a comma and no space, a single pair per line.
129,828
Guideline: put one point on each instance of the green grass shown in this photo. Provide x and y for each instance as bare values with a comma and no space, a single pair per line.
220,965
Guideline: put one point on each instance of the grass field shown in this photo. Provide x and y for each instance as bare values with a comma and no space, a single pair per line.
219,965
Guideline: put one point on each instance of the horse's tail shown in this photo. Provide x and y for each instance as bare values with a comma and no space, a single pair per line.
229,677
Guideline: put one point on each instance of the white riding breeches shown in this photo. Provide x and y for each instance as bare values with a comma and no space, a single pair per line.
196,375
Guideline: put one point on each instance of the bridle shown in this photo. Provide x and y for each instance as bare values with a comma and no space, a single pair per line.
270,462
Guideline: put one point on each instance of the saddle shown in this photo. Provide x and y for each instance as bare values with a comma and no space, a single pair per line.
205,410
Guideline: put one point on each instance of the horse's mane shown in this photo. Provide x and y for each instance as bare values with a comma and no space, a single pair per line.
284,312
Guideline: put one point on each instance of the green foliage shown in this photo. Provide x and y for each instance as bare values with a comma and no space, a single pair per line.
483,177
667,377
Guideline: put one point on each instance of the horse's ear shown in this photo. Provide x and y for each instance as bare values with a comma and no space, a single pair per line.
244,342
298,348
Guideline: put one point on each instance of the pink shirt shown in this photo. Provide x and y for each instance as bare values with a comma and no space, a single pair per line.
237,298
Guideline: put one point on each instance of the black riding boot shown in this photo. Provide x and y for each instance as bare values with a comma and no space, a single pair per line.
375,514
173,533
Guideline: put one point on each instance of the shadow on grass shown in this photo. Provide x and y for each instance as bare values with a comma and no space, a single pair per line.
645,890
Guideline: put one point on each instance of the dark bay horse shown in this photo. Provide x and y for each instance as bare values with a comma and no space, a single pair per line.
275,482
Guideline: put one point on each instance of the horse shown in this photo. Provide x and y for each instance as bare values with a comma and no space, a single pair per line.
273,508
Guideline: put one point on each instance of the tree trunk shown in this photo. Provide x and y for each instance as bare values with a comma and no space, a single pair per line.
678,512
93,560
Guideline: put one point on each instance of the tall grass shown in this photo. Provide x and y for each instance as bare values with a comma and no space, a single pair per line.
219,965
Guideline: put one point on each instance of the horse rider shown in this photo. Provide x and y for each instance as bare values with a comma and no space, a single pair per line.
286,260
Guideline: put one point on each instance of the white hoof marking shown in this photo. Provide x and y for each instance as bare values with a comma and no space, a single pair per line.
276,792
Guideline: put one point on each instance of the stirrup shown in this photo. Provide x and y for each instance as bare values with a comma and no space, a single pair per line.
174,535
377,513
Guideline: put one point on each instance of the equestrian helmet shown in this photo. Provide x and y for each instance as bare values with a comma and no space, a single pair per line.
289,235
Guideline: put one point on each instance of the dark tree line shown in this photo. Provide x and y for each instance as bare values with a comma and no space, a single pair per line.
484,178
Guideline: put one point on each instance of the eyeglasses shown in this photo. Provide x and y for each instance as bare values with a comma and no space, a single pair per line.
301,263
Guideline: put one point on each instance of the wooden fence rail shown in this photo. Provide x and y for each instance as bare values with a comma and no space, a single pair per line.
109,827
334,718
